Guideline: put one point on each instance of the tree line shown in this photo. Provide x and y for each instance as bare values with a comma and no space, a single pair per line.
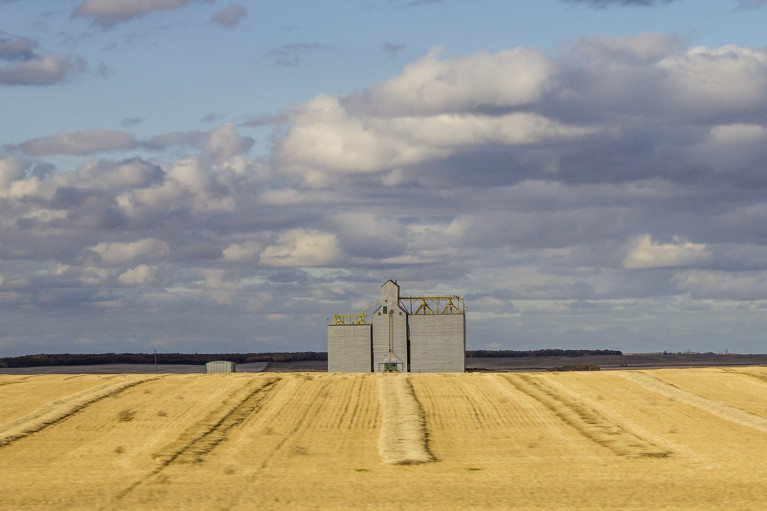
538,353
85,359
77,359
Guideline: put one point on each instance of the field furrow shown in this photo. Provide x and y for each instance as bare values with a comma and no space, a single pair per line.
12,380
201,437
403,439
30,393
338,411
586,420
715,408
63,409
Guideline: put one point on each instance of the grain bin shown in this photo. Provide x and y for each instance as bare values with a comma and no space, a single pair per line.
220,366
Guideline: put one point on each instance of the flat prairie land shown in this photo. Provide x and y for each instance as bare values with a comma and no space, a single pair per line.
692,439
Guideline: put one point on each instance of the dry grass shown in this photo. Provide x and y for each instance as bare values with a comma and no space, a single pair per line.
585,419
403,439
569,441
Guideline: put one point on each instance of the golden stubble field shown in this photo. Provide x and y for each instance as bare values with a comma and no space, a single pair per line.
655,439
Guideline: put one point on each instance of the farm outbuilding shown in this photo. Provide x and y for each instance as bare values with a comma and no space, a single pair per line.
418,334
220,366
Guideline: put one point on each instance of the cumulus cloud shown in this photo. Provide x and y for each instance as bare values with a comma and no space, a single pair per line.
605,92
130,173
248,251
329,138
106,13
646,253
119,252
509,78
11,169
24,66
223,143
140,275
229,16
302,247
520,178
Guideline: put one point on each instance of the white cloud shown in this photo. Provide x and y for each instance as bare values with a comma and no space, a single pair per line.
223,143
646,253
327,138
302,247
134,173
243,252
731,147
140,275
738,134
118,252
704,81
509,78
11,169
717,285
191,173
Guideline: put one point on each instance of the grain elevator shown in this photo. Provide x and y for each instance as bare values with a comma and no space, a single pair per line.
419,334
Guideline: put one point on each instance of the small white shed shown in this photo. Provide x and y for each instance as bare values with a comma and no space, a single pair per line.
220,366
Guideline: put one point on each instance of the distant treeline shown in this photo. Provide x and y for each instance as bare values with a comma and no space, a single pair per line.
86,359
538,353
71,359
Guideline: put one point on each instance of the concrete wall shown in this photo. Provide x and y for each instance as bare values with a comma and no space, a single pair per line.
349,348
437,343
396,320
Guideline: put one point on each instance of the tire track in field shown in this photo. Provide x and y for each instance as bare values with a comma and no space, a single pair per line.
715,408
297,419
200,438
403,439
14,381
307,412
367,413
758,376
62,409
586,420
203,436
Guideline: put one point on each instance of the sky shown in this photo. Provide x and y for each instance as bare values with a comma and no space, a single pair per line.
212,176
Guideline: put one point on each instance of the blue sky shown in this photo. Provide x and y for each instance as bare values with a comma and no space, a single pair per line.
213,176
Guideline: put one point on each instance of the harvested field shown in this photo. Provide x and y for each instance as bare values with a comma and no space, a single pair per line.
632,439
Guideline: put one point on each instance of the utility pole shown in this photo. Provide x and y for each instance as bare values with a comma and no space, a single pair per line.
155,361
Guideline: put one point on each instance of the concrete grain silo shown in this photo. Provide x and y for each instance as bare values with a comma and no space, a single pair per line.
350,350
402,334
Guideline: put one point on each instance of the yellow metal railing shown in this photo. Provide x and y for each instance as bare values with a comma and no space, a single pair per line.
349,319
415,305
433,304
